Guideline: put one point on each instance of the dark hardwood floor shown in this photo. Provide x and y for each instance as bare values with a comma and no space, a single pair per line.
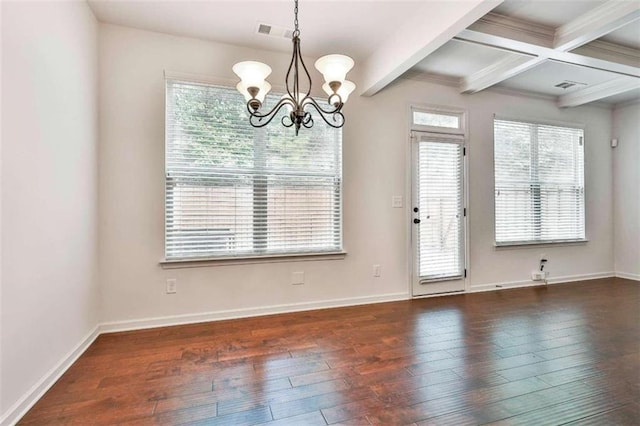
563,354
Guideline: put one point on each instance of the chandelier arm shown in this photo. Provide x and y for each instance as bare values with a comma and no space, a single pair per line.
306,71
253,115
311,100
337,116
291,65
284,123
308,121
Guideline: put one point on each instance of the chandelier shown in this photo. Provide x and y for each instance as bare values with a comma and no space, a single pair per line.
297,101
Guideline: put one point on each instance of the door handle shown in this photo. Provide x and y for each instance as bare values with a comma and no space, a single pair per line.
416,221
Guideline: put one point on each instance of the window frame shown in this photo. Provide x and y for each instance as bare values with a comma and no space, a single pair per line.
536,243
267,257
439,110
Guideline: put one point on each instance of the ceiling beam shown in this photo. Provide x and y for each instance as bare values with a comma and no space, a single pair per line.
595,23
513,45
497,72
430,27
540,43
599,91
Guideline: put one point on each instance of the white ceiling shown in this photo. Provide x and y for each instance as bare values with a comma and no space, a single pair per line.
326,26
358,27
627,36
459,59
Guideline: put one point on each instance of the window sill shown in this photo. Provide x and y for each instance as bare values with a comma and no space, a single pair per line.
530,244
248,260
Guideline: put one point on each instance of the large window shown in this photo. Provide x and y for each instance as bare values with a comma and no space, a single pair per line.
539,183
234,190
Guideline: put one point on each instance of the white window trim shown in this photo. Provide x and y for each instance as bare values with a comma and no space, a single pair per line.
547,243
542,122
525,244
249,260
196,262
437,109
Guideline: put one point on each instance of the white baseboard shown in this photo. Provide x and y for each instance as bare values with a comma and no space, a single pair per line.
529,283
20,408
628,276
139,324
581,277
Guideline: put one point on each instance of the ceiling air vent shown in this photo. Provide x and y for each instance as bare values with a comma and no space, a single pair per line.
274,31
568,83
264,29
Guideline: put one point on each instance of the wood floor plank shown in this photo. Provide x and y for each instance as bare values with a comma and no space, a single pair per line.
543,355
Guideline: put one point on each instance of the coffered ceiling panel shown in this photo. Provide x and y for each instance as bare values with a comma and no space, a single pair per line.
459,59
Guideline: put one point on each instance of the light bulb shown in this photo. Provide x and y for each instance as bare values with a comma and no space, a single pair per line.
334,67
344,90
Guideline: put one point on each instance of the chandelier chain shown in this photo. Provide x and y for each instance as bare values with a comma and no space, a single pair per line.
295,20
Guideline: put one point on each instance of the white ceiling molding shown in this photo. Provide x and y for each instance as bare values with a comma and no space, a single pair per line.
610,52
599,91
430,28
499,71
596,23
515,28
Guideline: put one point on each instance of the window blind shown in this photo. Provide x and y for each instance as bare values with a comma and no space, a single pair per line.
539,183
440,168
234,190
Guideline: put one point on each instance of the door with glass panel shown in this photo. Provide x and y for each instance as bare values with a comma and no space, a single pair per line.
438,213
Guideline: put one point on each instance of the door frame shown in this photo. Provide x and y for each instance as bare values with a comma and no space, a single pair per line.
463,130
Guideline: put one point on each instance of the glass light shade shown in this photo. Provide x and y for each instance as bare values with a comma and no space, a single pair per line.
344,91
252,73
264,89
334,67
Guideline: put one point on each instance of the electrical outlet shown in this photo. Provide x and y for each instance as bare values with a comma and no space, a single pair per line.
172,285
297,278
376,270
396,201
538,275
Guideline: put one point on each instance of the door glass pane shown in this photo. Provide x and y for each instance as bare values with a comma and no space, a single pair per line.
440,204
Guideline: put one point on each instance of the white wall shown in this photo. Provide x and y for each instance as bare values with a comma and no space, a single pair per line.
49,189
375,168
626,190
